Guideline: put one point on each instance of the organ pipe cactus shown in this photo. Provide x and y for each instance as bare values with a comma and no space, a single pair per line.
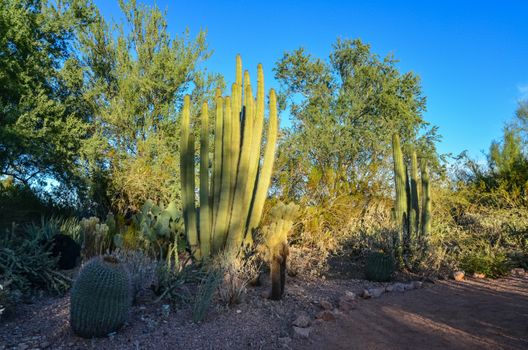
232,197
413,222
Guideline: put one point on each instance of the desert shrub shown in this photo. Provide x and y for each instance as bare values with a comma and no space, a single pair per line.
488,260
140,266
29,265
237,273
172,276
206,291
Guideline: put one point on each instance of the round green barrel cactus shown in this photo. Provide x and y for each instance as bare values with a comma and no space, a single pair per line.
379,267
100,298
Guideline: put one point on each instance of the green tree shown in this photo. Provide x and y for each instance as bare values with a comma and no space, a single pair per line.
42,112
343,114
136,77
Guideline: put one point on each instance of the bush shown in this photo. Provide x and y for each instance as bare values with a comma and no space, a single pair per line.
140,266
490,261
29,265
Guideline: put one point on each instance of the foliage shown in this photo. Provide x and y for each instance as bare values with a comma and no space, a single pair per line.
100,298
27,265
42,114
205,293
343,115
238,272
140,267
136,75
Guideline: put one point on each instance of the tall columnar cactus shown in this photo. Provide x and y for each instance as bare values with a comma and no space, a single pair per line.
239,181
400,181
205,209
187,176
414,210
426,202
100,298
413,222
274,247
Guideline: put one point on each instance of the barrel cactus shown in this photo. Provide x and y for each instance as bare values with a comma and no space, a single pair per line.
379,267
100,298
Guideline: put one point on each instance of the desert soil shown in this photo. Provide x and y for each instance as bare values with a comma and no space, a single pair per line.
472,314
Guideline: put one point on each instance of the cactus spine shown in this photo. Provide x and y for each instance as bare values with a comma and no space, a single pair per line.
100,298
239,185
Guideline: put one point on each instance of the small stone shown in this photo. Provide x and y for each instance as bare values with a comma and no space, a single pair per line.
365,294
325,304
518,271
346,305
22,346
350,296
301,332
479,275
239,311
285,340
417,284
376,292
326,315
408,286
396,287
302,321
458,275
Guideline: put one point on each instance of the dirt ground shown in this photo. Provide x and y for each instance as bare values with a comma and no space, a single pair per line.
473,314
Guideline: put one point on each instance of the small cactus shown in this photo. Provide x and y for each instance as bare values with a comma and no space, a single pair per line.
379,267
275,248
100,298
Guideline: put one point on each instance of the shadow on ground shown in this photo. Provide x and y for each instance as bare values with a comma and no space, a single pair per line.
473,314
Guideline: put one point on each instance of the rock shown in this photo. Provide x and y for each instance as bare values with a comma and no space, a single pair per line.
285,340
458,275
349,296
22,346
376,292
302,321
302,333
396,287
479,275
417,284
408,286
519,271
365,294
346,305
325,315
325,304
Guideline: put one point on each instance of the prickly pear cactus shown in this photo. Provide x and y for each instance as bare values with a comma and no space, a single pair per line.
100,298
379,267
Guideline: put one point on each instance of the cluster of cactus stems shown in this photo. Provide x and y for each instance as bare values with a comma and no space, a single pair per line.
412,217
232,195
274,247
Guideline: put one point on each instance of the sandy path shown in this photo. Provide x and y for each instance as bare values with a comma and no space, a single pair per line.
473,314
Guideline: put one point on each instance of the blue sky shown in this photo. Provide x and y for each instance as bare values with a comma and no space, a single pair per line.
472,56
